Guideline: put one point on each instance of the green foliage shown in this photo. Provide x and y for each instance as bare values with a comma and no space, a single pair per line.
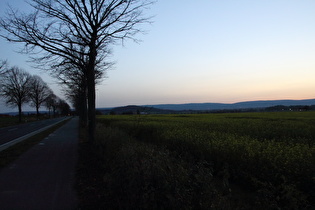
270,153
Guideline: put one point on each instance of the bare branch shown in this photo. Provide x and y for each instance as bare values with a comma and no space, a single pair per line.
39,92
74,36
15,88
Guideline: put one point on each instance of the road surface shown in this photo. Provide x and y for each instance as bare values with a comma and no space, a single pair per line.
12,132
43,177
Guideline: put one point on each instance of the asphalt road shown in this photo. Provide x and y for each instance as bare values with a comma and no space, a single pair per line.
10,133
43,177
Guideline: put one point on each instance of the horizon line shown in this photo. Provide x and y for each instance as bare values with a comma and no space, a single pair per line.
184,103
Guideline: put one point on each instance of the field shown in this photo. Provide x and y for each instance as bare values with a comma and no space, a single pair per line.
207,161
6,120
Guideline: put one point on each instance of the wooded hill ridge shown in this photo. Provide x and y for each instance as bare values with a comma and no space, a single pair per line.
266,105
239,105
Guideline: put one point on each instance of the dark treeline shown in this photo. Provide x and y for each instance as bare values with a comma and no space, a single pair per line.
291,108
18,88
133,110
72,40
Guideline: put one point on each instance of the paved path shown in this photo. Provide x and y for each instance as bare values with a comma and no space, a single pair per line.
43,177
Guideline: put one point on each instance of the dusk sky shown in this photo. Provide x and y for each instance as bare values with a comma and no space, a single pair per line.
221,51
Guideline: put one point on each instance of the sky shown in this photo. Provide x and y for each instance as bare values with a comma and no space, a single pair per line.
221,51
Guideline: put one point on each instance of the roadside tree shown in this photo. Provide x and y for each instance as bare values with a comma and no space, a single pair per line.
84,29
63,107
39,91
73,76
3,67
51,103
15,88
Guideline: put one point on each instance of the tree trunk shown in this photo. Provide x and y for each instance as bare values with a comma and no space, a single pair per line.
91,90
91,107
20,112
83,107
37,111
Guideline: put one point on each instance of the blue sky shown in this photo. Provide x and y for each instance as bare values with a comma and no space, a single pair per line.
209,51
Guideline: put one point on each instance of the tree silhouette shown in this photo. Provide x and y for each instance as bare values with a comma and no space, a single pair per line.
15,88
51,103
63,107
39,92
66,29
73,75
3,67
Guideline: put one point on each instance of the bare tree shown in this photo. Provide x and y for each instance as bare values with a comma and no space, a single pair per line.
76,91
39,91
63,107
74,77
51,103
3,67
15,88
64,29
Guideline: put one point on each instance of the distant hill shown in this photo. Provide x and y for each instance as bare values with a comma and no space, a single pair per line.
133,109
239,105
185,108
180,108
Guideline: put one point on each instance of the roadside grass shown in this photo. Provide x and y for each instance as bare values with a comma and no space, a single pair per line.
6,121
88,174
12,153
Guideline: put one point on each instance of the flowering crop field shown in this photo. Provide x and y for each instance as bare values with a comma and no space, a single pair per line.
271,153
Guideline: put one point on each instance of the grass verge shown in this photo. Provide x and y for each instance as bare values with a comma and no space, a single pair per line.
12,153
6,121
